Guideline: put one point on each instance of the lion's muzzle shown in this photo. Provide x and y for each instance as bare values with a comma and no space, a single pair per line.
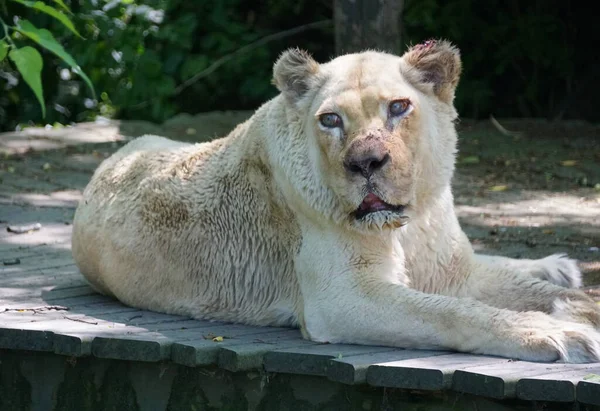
366,156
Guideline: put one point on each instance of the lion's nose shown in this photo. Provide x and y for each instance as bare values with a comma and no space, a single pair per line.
367,163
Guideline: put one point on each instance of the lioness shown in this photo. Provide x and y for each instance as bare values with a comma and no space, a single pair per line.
329,209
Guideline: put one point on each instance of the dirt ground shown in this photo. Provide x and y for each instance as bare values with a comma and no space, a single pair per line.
532,192
527,188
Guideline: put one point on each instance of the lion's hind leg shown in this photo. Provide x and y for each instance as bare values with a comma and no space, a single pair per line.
556,268
523,286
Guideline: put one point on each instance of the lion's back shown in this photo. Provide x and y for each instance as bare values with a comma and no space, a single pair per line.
185,229
111,199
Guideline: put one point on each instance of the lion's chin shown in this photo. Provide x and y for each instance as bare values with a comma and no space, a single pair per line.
382,219
373,212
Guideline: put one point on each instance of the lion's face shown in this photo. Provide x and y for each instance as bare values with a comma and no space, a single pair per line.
363,121
382,132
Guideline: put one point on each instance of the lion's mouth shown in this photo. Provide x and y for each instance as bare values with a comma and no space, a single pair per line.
373,204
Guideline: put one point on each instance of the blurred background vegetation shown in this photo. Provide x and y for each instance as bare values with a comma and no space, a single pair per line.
533,58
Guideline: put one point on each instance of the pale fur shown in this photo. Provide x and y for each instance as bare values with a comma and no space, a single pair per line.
257,227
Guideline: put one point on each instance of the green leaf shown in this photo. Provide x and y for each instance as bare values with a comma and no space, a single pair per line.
44,8
3,49
45,39
469,160
592,377
499,188
63,6
29,63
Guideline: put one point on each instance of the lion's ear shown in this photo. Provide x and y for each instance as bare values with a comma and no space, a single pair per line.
294,73
433,66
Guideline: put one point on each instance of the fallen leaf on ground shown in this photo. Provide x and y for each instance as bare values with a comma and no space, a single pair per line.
469,160
592,377
23,229
14,261
568,163
218,339
499,188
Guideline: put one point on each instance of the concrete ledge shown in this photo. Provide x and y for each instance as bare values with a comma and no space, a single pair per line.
50,382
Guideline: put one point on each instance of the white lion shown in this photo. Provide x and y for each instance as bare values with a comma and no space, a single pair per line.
329,209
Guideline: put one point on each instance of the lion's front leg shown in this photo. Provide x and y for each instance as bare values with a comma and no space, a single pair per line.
351,294
516,285
557,268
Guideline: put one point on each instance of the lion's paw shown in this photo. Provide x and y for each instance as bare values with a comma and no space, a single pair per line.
555,340
576,344
558,269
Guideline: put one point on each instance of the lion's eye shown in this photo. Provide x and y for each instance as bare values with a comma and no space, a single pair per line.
399,107
330,120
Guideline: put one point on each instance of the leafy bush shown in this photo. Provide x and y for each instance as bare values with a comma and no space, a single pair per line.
136,55
520,58
27,60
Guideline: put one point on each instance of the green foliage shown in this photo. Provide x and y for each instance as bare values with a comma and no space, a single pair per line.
136,54
27,60
44,8
4,47
521,59
29,63
45,39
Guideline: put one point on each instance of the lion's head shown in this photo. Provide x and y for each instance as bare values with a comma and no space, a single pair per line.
379,128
